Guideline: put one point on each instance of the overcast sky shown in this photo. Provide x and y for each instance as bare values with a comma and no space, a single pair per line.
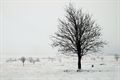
26,25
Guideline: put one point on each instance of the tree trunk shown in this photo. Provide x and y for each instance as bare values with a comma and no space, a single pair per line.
23,64
79,62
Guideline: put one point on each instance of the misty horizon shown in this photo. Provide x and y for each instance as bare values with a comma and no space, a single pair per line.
26,26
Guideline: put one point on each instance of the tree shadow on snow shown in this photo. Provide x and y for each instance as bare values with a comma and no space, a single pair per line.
68,70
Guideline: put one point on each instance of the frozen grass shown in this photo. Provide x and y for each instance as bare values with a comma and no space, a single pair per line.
60,70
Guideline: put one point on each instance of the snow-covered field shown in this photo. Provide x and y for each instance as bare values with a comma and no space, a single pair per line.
61,68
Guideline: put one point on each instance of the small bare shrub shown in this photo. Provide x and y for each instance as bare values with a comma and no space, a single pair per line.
23,59
116,57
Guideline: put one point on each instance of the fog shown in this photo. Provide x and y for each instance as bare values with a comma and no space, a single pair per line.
26,25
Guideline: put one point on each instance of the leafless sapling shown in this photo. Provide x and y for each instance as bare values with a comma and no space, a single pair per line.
116,57
23,59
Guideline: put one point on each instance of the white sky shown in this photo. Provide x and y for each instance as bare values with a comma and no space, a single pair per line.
26,25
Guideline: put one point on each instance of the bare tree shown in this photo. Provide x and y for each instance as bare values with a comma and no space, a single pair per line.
37,60
23,59
102,58
77,33
116,57
31,60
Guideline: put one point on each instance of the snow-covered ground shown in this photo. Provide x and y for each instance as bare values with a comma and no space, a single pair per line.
62,68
